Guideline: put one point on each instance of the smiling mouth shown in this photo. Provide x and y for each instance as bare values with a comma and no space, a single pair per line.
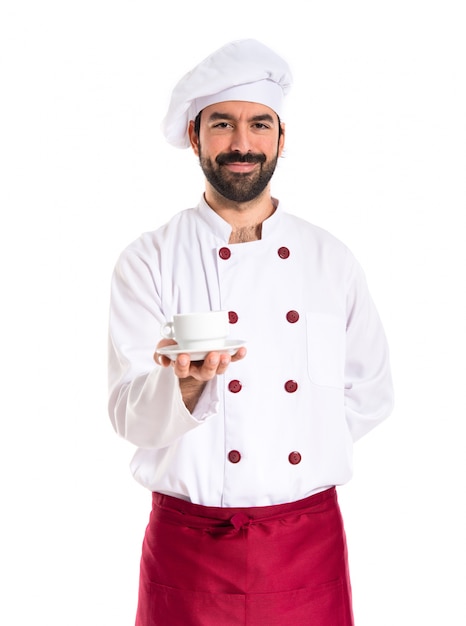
240,167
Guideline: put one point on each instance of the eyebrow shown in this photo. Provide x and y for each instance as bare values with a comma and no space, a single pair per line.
216,116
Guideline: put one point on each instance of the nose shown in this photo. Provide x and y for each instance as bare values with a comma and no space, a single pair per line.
240,141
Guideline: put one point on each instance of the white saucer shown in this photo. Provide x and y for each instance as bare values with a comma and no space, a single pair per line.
174,350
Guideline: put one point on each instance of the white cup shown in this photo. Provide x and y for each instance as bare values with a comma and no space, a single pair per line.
198,331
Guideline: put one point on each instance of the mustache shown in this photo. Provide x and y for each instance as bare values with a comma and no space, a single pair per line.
236,157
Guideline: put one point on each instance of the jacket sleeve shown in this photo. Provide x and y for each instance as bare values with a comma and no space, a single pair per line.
145,402
368,381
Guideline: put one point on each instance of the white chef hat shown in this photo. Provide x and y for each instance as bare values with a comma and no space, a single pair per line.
241,70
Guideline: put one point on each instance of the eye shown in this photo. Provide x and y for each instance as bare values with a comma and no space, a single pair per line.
261,126
221,125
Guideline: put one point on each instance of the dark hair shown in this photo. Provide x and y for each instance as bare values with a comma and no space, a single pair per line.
197,125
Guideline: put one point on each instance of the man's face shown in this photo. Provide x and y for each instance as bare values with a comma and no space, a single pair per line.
238,147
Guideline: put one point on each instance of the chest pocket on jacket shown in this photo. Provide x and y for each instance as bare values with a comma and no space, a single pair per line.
326,349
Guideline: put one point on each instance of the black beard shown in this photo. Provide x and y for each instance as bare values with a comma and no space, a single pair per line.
238,187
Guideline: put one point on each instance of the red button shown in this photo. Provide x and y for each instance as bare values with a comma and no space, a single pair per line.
294,458
292,316
234,386
224,253
291,386
232,317
234,456
283,252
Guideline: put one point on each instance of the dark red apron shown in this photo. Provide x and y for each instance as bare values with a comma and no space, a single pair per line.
263,566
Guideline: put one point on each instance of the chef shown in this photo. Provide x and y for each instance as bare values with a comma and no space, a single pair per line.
242,453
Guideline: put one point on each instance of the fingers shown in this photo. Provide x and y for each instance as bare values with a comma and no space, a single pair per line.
239,355
215,363
182,366
160,359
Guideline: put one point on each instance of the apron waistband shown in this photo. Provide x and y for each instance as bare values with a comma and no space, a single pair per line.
178,511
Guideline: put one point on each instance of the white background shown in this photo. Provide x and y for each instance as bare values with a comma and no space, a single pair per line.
375,154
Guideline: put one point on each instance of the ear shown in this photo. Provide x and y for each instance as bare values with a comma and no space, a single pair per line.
193,138
281,141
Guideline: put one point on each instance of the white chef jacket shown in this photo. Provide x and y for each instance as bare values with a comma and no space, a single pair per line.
280,424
